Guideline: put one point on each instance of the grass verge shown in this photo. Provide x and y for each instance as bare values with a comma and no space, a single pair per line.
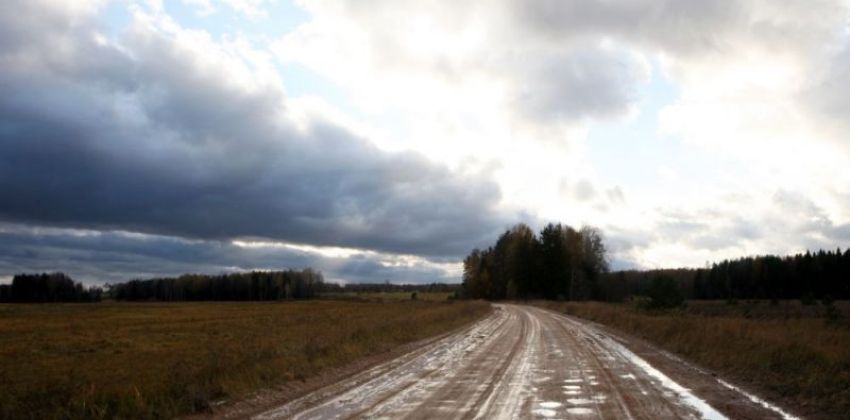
790,352
154,360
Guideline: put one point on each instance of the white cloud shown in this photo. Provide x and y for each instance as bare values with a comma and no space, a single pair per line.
507,91
512,84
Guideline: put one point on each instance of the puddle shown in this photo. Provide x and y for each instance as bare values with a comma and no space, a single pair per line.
579,401
579,411
545,412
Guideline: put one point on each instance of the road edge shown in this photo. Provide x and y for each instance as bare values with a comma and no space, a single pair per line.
269,398
724,394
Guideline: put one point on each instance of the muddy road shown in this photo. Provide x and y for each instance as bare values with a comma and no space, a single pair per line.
526,362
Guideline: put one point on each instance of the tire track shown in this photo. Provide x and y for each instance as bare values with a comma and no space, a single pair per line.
383,378
485,401
519,362
625,412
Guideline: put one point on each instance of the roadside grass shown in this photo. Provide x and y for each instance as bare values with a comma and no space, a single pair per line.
155,360
792,351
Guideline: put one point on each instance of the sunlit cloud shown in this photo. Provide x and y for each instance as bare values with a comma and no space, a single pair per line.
390,136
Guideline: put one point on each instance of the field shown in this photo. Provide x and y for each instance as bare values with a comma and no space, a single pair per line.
153,360
790,352
389,296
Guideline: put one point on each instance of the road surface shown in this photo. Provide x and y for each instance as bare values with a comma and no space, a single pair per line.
522,362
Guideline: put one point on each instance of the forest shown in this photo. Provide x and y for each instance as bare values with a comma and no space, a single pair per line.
247,286
563,263
254,285
52,287
559,263
821,275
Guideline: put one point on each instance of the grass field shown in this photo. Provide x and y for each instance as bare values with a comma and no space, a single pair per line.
154,360
389,296
791,351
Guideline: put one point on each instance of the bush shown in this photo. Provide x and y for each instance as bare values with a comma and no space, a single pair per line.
832,314
641,302
664,293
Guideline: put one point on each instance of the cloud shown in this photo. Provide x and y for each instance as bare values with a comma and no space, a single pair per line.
592,81
97,257
168,131
828,96
616,196
464,54
584,190
680,28
183,134
546,61
761,222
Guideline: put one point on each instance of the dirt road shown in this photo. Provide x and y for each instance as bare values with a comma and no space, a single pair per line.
526,362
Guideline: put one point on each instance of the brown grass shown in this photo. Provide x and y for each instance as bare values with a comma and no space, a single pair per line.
389,296
789,351
154,360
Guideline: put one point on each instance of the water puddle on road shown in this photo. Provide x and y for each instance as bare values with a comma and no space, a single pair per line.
545,412
579,411
578,401
547,409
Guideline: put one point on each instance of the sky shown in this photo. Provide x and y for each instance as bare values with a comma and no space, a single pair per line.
382,140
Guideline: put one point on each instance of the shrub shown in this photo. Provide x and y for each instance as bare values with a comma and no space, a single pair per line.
664,293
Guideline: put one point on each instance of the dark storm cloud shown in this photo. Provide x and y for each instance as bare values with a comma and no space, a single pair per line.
98,257
149,137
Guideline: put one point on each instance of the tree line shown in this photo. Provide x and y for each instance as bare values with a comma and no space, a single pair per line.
559,263
254,285
811,275
388,287
47,287
249,286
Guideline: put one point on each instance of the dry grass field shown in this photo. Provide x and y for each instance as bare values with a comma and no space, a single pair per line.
155,360
788,351
389,296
